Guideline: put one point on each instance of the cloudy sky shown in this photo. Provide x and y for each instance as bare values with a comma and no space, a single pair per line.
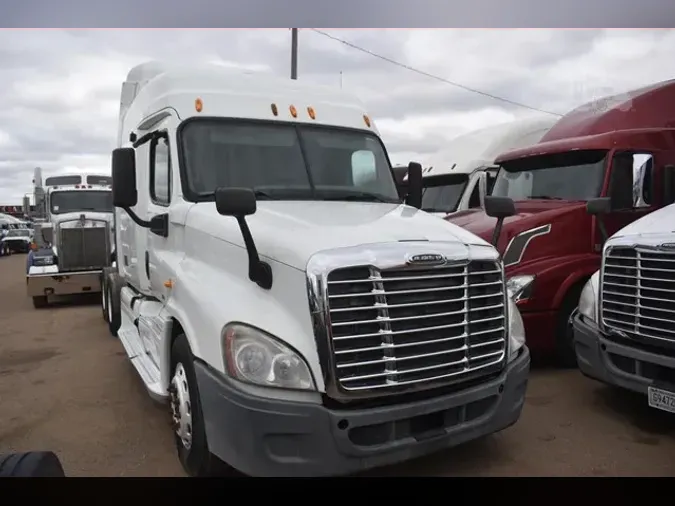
59,99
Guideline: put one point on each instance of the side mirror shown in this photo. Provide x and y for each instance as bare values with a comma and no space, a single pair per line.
482,187
240,203
124,177
237,202
621,182
414,197
598,207
668,184
500,208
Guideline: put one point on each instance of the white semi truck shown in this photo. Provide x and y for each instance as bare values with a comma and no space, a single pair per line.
271,287
459,176
73,235
624,333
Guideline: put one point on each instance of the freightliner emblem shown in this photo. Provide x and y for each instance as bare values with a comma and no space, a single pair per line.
426,259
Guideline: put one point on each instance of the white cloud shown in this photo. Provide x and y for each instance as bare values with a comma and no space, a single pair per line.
60,99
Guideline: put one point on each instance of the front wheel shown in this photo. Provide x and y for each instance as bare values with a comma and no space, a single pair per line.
565,353
31,465
40,302
186,413
104,297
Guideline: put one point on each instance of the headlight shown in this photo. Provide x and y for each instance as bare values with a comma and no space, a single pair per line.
516,330
519,287
254,357
588,301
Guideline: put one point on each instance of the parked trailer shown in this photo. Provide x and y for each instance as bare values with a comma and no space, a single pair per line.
551,247
292,322
623,328
73,235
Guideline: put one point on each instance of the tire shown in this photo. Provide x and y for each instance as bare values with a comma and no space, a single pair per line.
114,317
196,459
31,465
566,356
40,302
104,295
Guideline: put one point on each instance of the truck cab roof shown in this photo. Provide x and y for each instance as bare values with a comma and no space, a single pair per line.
228,93
602,123
479,148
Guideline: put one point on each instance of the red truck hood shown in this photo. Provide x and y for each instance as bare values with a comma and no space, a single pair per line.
566,218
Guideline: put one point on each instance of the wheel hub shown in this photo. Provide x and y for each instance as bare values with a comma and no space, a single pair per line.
181,409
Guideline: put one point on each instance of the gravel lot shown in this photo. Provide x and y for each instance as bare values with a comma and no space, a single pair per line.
66,386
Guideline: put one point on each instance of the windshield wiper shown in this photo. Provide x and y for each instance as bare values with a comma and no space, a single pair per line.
545,197
435,210
360,197
259,194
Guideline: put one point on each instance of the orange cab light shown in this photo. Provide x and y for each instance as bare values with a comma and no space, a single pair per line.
366,120
275,111
199,105
168,283
310,111
294,112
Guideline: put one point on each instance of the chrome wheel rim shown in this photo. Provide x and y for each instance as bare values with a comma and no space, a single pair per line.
181,408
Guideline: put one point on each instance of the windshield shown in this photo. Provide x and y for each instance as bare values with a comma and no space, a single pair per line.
443,199
567,176
19,232
77,200
283,161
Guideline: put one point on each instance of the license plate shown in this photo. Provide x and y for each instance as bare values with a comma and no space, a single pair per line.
661,399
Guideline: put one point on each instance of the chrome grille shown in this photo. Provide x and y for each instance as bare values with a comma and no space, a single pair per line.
638,292
83,248
404,326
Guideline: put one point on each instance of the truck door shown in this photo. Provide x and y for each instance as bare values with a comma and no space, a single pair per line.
155,249
634,187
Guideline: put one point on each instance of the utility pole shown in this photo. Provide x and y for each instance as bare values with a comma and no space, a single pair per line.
294,53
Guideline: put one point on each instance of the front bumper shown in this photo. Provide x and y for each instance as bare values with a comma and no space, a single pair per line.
622,365
49,281
271,437
17,246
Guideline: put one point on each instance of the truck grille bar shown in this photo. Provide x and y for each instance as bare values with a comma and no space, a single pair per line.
638,293
407,326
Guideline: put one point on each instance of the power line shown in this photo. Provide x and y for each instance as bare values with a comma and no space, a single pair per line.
432,76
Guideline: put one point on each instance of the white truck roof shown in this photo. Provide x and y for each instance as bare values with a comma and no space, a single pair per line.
478,148
226,92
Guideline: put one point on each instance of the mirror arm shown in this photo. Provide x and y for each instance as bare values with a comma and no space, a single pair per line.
258,271
603,229
138,221
497,232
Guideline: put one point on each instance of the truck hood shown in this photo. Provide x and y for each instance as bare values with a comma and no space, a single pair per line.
661,221
529,214
89,215
292,231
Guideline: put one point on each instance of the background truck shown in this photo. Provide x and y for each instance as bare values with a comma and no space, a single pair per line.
551,246
270,285
73,235
463,172
623,328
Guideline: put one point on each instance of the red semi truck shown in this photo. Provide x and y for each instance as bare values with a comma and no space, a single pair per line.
616,147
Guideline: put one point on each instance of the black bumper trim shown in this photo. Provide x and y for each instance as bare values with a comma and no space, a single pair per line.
618,364
271,437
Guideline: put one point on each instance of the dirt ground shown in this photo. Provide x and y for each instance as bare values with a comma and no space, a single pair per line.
66,386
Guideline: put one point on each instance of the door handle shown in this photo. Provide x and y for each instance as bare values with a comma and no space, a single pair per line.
147,264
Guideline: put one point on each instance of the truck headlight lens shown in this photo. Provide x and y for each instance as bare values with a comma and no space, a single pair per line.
516,330
588,301
253,356
519,287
